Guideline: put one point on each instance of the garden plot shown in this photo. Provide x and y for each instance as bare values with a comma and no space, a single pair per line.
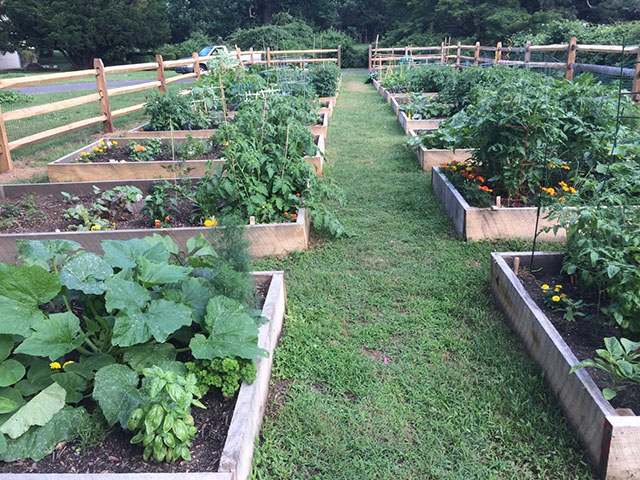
91,228
434,157
610,436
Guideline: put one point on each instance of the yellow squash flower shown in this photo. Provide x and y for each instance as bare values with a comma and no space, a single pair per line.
55,366
210,222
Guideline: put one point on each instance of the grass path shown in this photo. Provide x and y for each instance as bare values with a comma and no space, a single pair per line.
457,398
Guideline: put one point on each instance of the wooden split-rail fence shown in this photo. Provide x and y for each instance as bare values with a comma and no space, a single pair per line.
383,58
267,57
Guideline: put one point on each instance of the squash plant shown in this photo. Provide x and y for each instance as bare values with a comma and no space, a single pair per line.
78,328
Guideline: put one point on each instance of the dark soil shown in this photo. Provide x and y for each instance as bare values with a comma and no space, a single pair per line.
585,335
120,153
115,454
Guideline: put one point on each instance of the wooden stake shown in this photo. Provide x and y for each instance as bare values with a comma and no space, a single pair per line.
5,153
251,53
161,76
196,64
458,56
636,81
101,83
268,57
571,58
516,265
476,54
442,53
339,57
527,53
369,58
498,56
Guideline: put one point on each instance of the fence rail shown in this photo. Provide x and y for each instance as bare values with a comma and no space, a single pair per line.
266,57
381,58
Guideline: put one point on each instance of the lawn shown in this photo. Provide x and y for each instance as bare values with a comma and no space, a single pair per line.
394,360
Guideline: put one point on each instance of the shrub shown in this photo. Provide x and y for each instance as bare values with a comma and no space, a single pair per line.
324,79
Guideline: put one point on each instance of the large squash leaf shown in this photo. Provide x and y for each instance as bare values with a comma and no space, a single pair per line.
38,411
193,292
39,442
145,356
11,371
86,273
116,391
124,294
151,274
53,337
22,290
127,253
39,252
232,332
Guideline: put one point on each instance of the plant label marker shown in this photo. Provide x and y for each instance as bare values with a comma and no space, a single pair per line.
498,201
252,220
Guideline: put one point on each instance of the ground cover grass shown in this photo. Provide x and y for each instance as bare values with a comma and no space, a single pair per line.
394,361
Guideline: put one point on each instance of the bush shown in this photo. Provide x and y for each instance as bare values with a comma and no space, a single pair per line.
196,42
324,79
286,33
430,78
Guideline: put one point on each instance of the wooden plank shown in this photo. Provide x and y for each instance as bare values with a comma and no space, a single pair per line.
432,157
44,79
294,52
5,150
134,88
127,110
180,77
370,69
623,453
476,54
178,63
103,91
50,107
322,128
54,132
527,53
498,55
426,124
607,48
196,64
304,60
252,399
161,74
451,200
636,80
120,476
556,47
571,58
141,132
135,67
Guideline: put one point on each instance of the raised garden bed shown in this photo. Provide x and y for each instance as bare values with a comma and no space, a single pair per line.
67,169
264,239
236,457
425,124
434,157
397,99
473,223
142,131
321,127
610,438
327,105
317,160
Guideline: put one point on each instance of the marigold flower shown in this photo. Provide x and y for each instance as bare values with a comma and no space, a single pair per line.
67,363
572,190
157,223
84,154
555,298
552,165
55,366
102,143
140,148
545,287
95,227
210,222
454,168
114,142
286,214
95,149
167,219
480,179
558,286
566,167
563,295
297,194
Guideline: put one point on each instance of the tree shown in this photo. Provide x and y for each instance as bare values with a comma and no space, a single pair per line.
84,29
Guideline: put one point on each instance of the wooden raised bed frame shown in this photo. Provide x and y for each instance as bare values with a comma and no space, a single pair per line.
264,239
612,440
66,170
473,223
434,157
427,124
237,454
321,128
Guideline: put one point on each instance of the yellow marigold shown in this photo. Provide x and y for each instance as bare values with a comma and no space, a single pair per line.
555,298
210,222
140,148
95,149
545,287
558,286
566,167
454,168
552,165
84,154
572,190
95,227
563,295
55,366
102,143
557,290
114,142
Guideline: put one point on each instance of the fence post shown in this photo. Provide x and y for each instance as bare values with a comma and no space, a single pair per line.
571,58
458,57
5,153
498,57
527,53
339,57
196,64
635,88
101,83
442,53
251,53
268,57
369,58
160,72
476,54
239,55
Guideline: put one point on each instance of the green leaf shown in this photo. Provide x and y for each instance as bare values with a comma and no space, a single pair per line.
38,411
38,377
39,442
233,332
146,356
193,292
166,241
151,274
608,393
127,253
53,337
614,347
6,345
116,391
11,371
612,270
86,273
124,294
162,318
38,252
198,246
22,290
74,383
7,405
3,445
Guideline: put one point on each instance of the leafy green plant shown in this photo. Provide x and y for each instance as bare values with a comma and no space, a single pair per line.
192,148
559,301
7,97
422,107
620,360
167,111
163,417
224,373
430,78
324,79
145,151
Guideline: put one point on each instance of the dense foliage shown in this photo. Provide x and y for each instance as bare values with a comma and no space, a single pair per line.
79,330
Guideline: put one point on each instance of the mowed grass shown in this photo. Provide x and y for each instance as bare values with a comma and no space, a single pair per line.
458,397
